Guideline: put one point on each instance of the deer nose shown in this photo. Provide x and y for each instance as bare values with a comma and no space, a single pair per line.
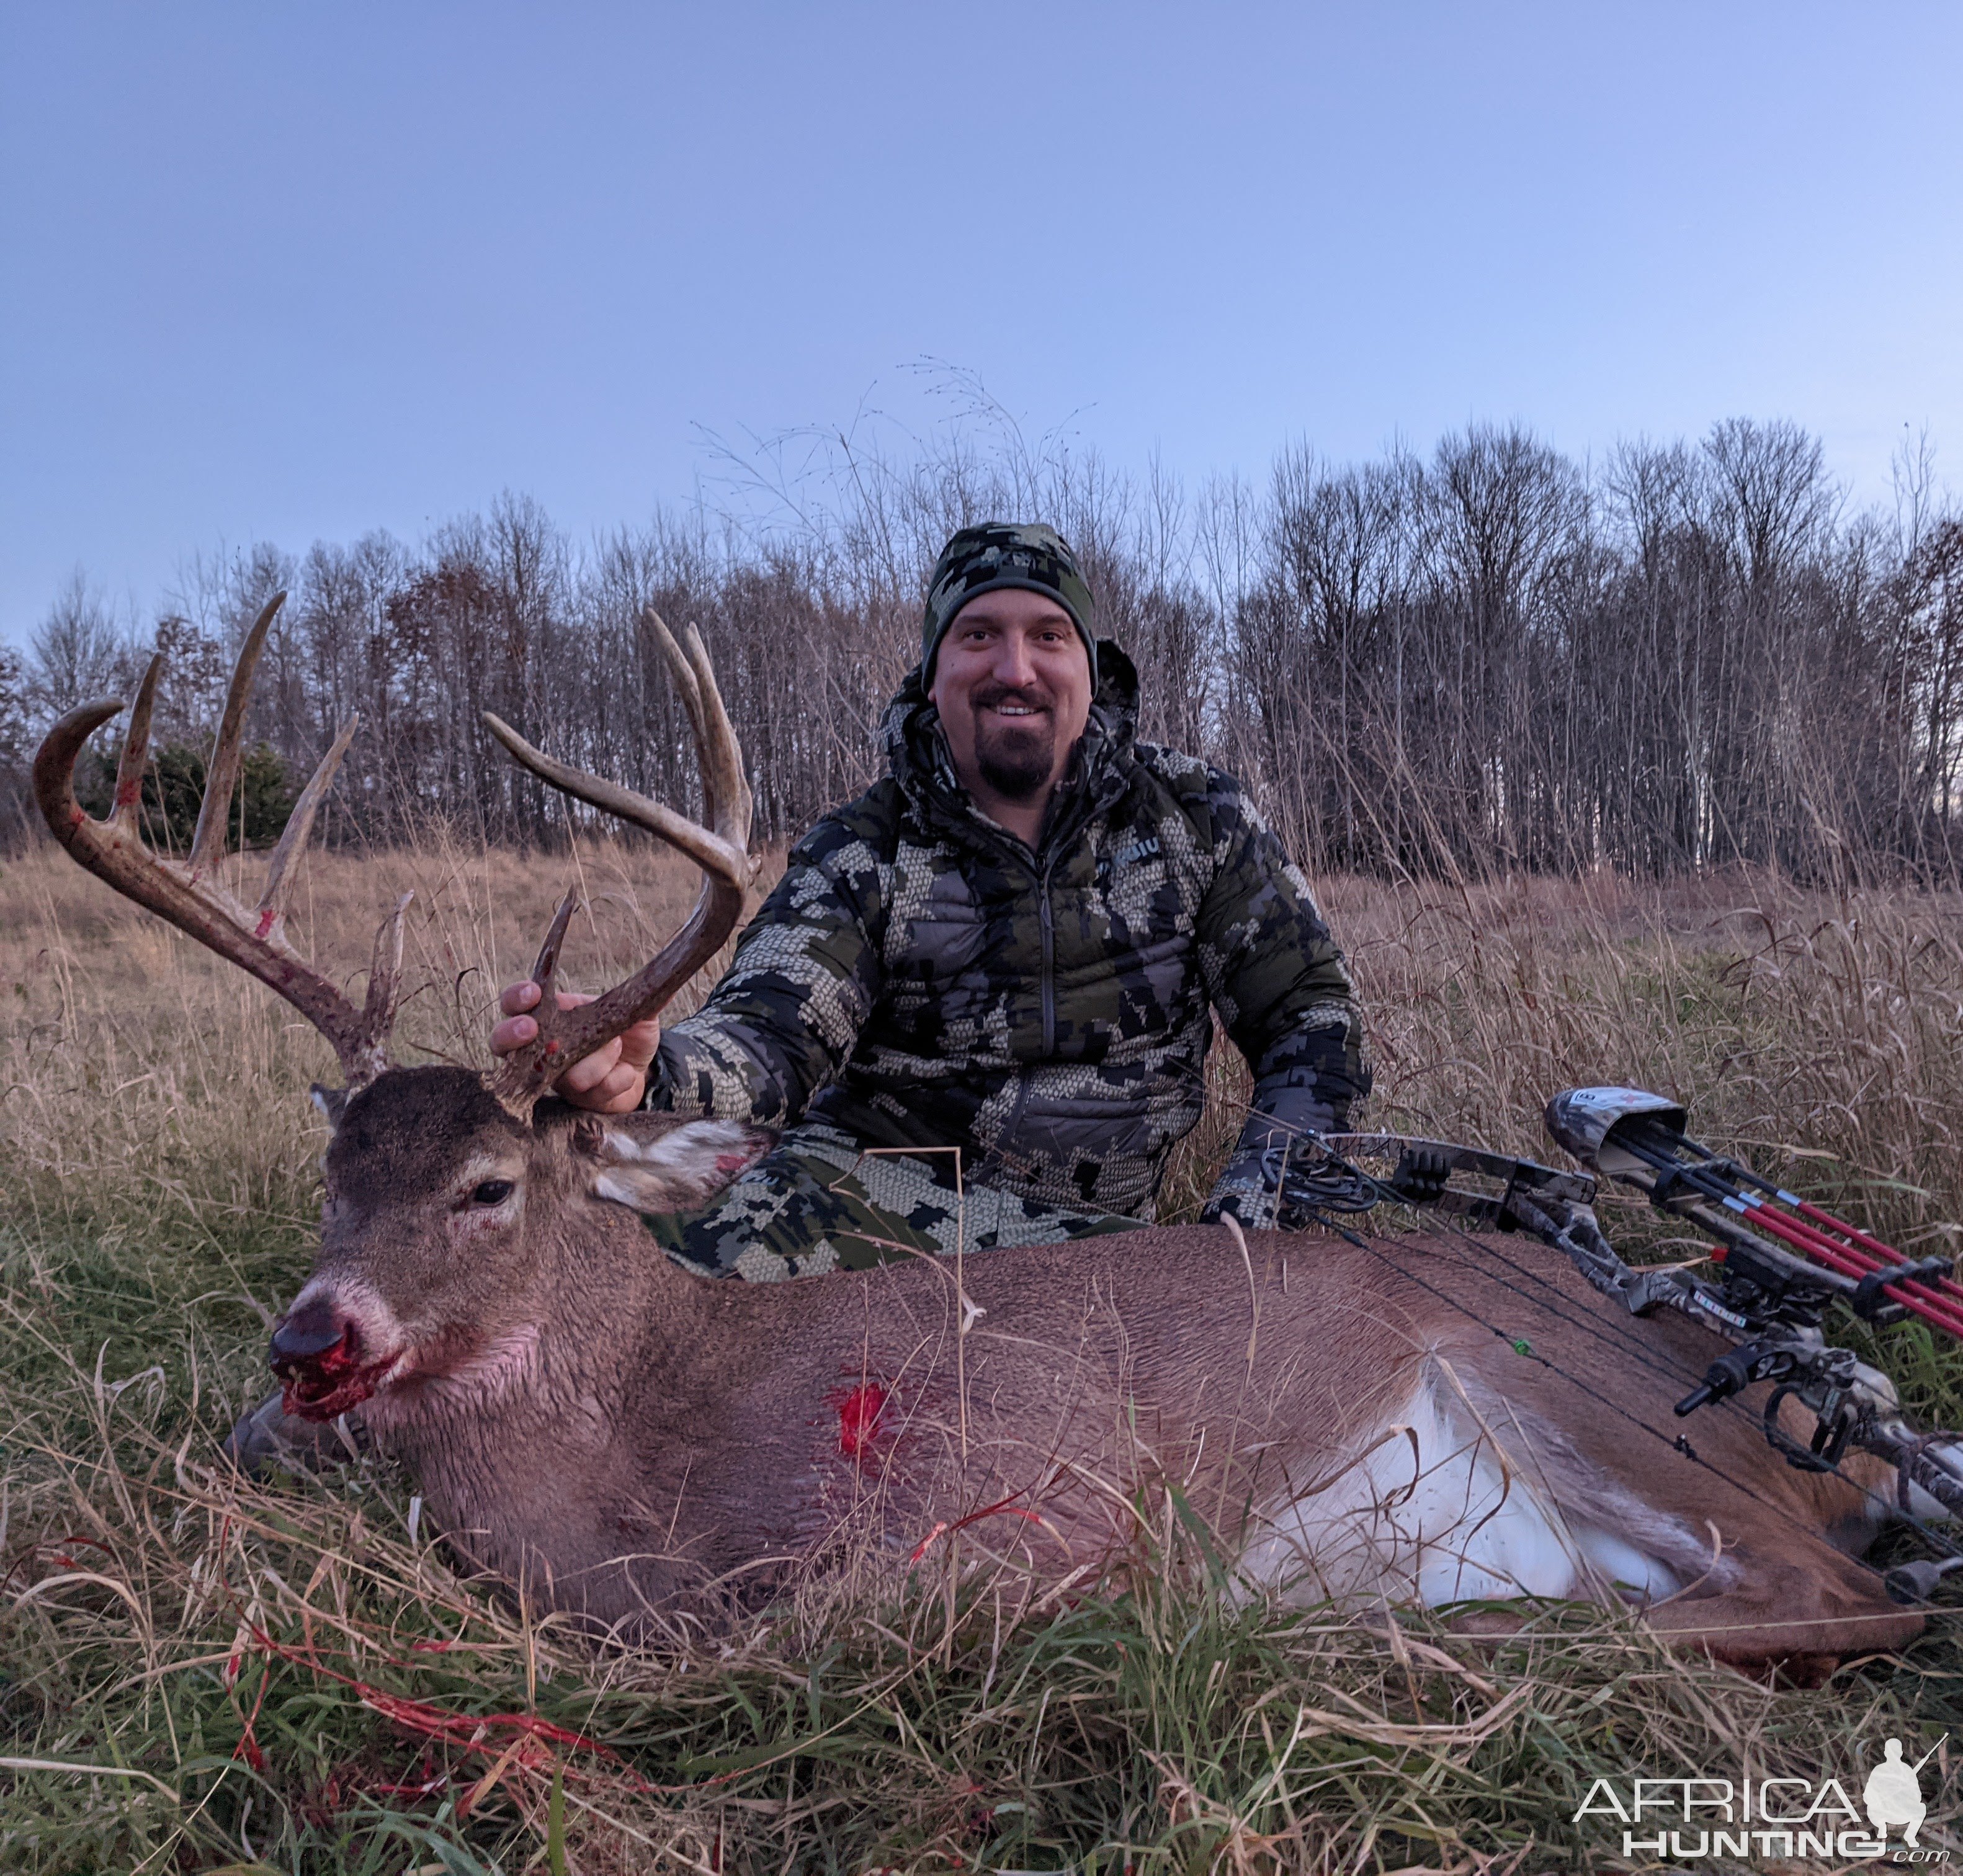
311,1330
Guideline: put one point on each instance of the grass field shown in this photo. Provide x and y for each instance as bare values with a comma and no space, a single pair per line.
291,1677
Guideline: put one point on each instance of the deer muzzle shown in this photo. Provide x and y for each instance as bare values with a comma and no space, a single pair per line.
318,1352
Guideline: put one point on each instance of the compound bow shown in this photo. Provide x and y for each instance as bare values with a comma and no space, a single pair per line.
1780,1264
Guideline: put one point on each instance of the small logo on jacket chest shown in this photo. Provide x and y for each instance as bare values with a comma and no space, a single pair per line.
1146,849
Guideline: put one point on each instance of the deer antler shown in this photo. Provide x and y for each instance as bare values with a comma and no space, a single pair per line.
188,894
721,850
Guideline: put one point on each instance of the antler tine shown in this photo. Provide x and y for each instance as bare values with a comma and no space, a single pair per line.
566,1035
541,1056
385,986
726,790
683,674
708,723
710,851
129,799
207,844
202,908
545,972
682,670
299,825
54,767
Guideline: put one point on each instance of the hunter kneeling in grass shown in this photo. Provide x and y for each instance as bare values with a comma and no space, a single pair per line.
1000,958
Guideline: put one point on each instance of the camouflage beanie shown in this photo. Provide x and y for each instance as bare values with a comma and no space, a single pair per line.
997,554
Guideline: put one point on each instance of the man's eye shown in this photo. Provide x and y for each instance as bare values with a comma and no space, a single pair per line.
492,1191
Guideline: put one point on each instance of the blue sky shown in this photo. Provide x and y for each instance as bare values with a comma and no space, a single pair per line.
271,271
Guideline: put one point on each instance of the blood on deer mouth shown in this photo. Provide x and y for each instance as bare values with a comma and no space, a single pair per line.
320,1387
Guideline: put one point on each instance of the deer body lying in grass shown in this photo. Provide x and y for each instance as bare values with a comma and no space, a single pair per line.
608,1431
589,1419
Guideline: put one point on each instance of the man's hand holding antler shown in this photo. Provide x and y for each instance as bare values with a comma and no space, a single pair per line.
613,1080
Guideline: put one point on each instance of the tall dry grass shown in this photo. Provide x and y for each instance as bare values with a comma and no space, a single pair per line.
1822,1036
291,1675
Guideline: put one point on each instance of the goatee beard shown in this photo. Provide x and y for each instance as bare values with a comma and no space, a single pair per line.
1017,772
1015,761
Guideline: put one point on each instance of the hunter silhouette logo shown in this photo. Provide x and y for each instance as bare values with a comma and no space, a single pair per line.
1893,1794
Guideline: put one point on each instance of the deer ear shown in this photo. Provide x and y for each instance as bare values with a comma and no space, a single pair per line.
332,1103
679,1169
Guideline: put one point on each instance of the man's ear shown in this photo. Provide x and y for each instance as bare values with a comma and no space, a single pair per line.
332,1103
677,1169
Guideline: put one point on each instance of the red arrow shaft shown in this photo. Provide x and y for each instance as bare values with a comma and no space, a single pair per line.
1857,1260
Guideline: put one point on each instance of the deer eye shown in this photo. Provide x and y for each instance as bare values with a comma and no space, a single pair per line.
492,1191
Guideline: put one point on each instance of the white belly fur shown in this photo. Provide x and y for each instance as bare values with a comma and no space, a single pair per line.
1453,1520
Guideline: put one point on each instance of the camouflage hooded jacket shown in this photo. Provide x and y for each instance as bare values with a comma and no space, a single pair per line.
920,978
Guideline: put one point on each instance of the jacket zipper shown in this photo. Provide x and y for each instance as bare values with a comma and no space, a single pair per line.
1046,921
1046,925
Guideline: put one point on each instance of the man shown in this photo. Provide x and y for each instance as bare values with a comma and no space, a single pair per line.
978,1002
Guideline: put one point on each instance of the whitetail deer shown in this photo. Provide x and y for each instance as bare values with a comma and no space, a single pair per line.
598,1425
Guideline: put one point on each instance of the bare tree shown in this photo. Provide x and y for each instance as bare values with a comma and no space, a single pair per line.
17,718
76,652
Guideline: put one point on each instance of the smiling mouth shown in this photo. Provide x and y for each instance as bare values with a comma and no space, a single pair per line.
321,1387
1013,708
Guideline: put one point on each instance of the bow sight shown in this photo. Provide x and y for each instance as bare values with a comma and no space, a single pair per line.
1779,1265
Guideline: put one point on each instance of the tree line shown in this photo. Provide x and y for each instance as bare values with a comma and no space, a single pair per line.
1489,657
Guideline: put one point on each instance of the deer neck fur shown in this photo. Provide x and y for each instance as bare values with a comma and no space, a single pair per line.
598,1385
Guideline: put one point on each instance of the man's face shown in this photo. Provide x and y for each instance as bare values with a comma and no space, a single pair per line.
1012,683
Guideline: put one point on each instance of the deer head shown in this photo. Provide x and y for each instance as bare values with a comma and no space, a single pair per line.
449,1228
446,1190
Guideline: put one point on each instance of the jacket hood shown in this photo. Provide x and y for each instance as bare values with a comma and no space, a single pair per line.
917,758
